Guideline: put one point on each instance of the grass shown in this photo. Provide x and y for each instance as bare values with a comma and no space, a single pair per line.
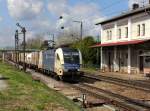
90,70
24,94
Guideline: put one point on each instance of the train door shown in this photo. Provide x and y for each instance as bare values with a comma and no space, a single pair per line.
119,60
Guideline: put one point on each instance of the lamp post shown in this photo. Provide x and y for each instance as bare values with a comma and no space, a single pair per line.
23,30
81,27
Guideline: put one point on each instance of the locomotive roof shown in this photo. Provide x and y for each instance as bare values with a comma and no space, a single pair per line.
69,49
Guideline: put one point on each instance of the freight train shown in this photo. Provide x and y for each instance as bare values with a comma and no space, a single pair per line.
62,62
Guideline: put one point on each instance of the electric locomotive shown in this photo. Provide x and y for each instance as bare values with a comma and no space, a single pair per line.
61,62
67,63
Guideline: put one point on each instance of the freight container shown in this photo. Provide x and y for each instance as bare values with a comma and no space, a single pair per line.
13,56
21,57
40,64
35,58
28,58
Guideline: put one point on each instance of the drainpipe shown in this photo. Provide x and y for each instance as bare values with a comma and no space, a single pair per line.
101,58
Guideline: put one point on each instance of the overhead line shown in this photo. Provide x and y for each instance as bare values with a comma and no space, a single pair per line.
112,4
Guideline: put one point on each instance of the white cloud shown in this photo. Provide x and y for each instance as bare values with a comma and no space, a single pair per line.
25,9
57,7
42,25
30,13
1,19
87,13
6,39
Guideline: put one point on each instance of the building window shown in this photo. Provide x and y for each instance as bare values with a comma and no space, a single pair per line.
119,33
143,29
138,30
107,35
110,35
126,32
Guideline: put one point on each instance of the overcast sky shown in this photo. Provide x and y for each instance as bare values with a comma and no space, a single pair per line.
42,16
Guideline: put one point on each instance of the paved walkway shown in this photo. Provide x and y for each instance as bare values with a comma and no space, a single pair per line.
126,76
121,75
3,84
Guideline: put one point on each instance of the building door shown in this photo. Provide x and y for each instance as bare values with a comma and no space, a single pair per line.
119,60
141,64
109,61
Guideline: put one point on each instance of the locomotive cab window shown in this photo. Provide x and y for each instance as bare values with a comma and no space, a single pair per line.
75,57
71,57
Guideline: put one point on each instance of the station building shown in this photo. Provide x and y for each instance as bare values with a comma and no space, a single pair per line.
125,42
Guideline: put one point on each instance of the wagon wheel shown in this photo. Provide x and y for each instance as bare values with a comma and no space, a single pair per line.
61,78
56,77
60,75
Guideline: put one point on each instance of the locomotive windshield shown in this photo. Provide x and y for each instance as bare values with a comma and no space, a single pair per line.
71,57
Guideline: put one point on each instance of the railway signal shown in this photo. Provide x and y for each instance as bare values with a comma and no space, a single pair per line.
81,27
23,30
17,48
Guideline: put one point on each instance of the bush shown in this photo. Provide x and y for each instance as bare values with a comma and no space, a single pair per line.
88,53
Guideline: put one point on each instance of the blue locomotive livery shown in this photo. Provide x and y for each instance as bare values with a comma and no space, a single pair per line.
61,63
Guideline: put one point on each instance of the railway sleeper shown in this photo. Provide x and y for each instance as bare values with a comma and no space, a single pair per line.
90,103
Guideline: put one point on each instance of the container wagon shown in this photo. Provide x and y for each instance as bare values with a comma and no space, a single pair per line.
34,60
21,58
28,59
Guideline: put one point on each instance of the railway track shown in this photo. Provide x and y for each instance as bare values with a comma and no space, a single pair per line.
123,102
144,86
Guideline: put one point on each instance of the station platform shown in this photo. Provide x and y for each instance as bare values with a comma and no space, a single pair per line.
118,75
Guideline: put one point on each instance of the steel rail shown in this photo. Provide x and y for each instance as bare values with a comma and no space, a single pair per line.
126,103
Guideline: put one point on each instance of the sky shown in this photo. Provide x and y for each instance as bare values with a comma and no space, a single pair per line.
41,17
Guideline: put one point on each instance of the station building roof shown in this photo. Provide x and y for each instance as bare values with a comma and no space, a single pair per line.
127,14
132,42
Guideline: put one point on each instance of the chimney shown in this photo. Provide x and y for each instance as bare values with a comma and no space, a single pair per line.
135,6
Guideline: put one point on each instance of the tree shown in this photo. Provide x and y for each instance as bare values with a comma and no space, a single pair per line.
88,53
67,37
34,43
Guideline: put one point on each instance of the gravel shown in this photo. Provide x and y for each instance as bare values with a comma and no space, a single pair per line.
125,91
